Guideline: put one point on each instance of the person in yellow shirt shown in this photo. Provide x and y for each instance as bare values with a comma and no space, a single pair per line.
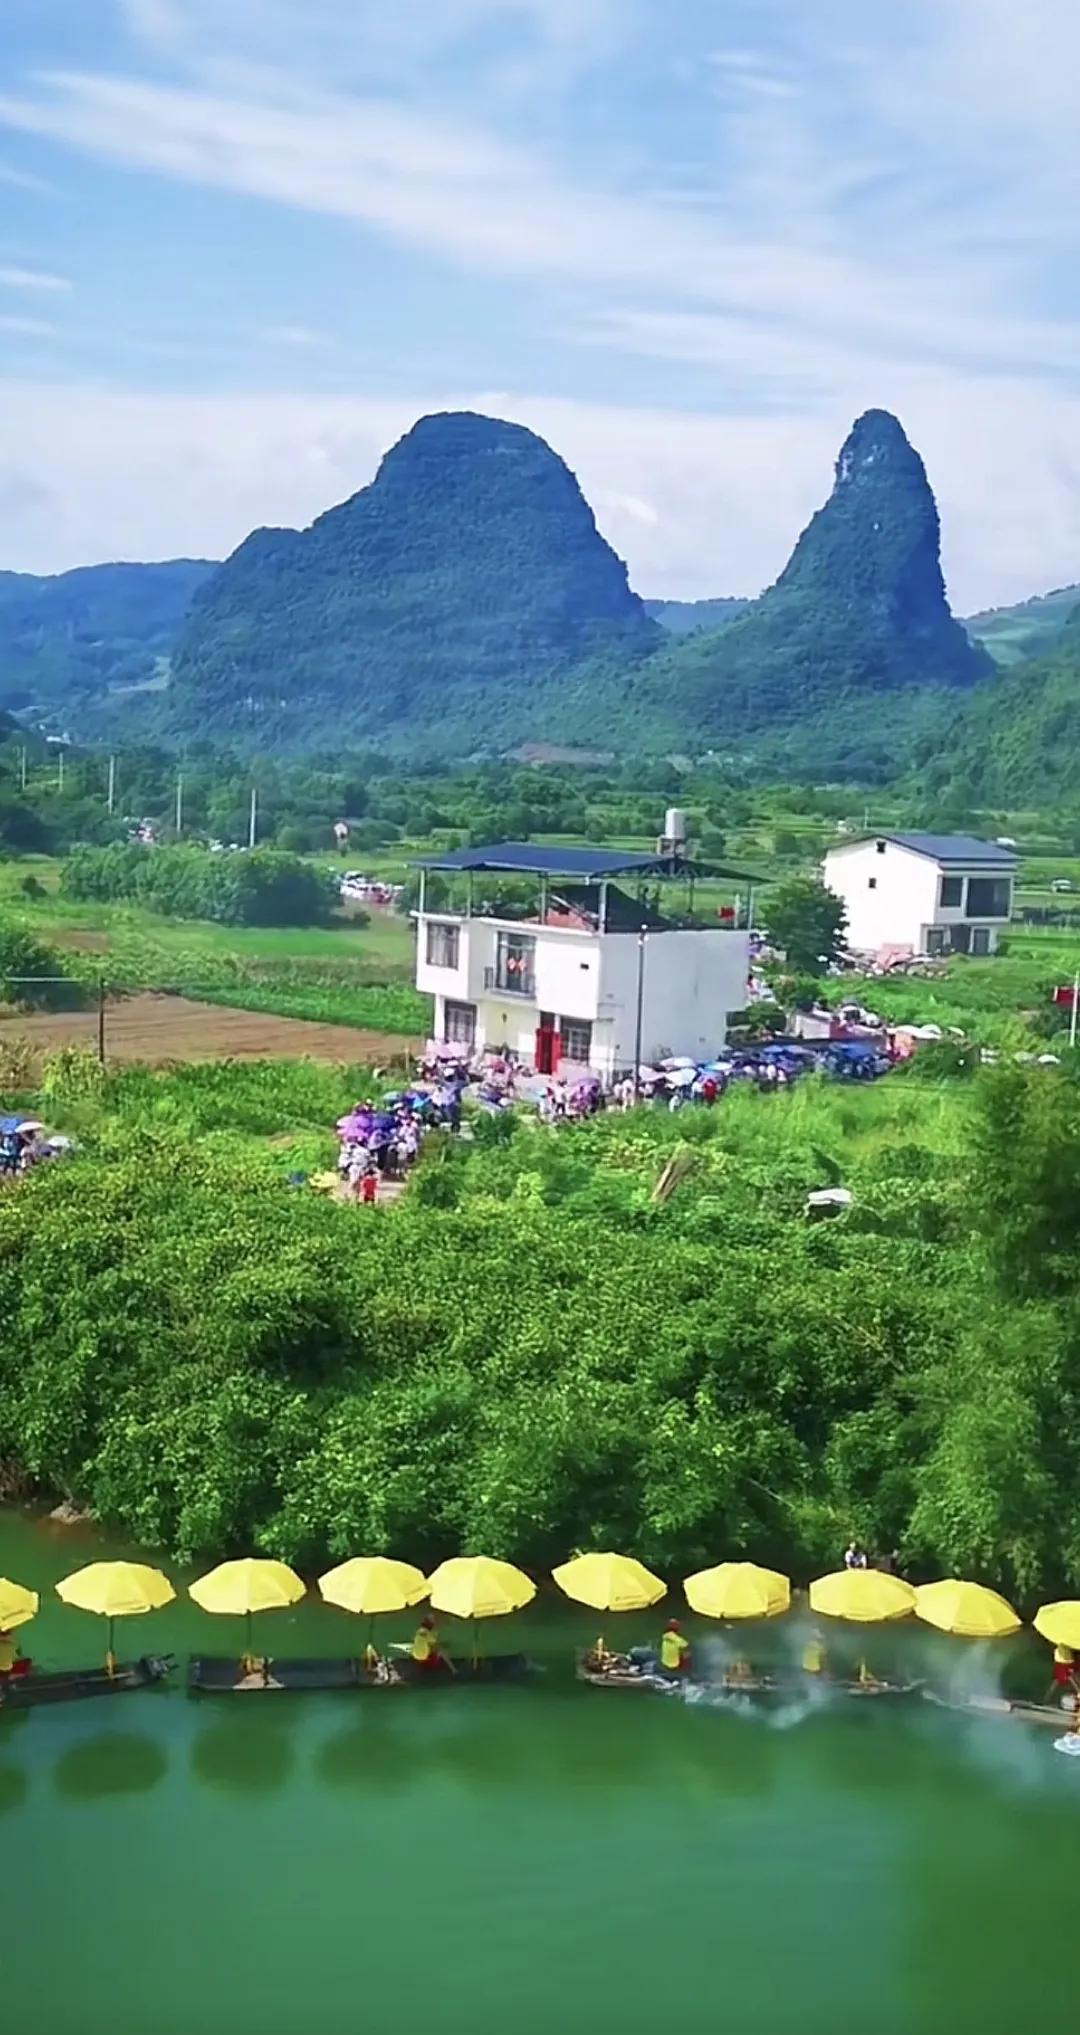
1064,1670
426,1651
813,1659
674,1650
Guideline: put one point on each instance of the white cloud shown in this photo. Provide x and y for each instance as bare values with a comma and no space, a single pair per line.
487,204
26,328
161,23
31,279
101,475
863,206
22,180
303,336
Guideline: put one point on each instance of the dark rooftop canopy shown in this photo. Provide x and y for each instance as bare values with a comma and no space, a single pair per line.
954,848
530,858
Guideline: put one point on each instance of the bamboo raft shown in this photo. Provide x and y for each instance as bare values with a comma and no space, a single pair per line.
67,1685
754,1688
1054,1714
220,1675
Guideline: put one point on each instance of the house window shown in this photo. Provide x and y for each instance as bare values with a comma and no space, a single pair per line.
881,847
935,940
515,963
576,1041
980,939
989,897
459,1024
443,944
952,892
872,884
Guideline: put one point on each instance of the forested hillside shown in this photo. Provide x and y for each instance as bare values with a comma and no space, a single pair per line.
686,618
465,604
68,639
465,597
855,632
531,1353
1017,738
1029,629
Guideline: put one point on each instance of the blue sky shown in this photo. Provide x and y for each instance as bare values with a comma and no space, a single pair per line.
244,243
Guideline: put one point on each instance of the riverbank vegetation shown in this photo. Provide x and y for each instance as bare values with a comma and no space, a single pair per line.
533,1352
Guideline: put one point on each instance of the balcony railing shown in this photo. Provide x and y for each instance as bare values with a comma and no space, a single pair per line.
521,982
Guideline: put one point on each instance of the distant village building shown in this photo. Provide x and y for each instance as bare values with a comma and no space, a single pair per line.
589,973
923,893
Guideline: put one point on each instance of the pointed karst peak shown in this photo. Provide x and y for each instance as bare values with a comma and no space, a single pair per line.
464,448
876,444
469,568
877,538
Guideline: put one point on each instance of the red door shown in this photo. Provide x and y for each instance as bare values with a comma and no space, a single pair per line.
548,1045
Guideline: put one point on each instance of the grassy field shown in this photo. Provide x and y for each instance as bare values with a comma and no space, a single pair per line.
362,975
346,973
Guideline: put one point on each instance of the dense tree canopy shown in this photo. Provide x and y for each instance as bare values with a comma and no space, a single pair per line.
263,888
807,922
530,1353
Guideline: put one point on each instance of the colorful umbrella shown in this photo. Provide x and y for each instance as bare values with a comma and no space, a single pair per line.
738,1590
476,1586
17,1605
1059,1623
372,1584
866,1596
239,1589
968,1609
115,1590
609,1582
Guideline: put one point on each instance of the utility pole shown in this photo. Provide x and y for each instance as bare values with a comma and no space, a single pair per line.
112,785
60,775
252,821
1076,1000
179,801
642,937
22,770
101,1020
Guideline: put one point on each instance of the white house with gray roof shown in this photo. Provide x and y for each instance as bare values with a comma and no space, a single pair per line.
923,893
562,956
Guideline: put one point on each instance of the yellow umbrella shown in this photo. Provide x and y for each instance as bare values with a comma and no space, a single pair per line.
475,1586
17,1606
115,1590
966,1608
1059,1623
238,1589
371,1584
738,1590
609,1582
866,1596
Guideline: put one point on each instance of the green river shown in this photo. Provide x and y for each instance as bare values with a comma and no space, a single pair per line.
547,1857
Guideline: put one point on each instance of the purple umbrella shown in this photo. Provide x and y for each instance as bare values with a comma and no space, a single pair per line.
355,1126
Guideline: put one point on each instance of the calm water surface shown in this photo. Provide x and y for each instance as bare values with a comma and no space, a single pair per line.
548,1858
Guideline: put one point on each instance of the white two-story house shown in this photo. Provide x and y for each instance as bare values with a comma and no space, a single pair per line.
583,973
923,893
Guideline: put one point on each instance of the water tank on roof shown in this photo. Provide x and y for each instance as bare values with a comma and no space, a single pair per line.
675,826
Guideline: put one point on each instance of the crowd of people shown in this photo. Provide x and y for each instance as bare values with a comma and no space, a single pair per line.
380,1141
24,1145
495,1080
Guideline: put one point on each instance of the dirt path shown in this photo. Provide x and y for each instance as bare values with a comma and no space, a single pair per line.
159,1029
